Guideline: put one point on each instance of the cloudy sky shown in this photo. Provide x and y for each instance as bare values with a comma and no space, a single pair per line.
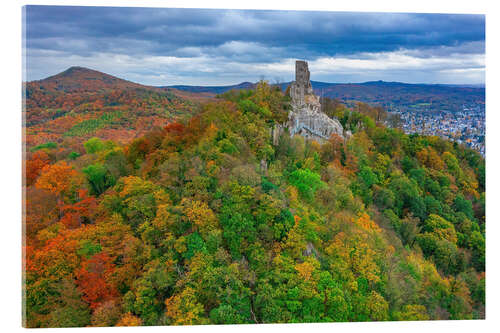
216,47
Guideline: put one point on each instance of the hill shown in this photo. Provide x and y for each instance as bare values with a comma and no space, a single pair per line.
83,80
78,103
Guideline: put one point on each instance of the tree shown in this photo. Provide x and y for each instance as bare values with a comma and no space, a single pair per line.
80,212
306,181
93,145
71,311
129,320
149,291
107,314
41,211
99,178
476,243
412,312
184,309
34,166
377,307
409,229
463,205
93,280
200,215
440,227
135,199
61,179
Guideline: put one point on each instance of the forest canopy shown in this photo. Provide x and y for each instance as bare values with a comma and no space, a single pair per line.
205,221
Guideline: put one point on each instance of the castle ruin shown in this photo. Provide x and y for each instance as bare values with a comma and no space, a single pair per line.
306,117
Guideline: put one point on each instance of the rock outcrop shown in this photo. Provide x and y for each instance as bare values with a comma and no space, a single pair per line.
306,117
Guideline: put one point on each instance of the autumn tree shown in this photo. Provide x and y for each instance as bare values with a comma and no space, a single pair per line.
93,280
60,179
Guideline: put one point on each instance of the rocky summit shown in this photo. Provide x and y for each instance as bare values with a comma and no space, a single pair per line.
306,117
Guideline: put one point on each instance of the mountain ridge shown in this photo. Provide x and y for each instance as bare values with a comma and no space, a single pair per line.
390,95
243,85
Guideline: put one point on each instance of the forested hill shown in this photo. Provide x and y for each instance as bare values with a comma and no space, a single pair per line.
206,221
81,80
70,107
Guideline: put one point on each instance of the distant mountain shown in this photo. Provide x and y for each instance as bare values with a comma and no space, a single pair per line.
404,96
391,95
395,83
213,89
477,85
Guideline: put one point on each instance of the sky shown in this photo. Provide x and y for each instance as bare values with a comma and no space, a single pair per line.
162,46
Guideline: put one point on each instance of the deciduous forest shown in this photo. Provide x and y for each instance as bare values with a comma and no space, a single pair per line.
145,207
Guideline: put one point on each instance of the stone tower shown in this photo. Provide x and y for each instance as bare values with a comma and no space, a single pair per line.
302,85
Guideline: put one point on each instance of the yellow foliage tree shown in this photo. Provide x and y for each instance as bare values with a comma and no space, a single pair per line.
184,309
200,215
129,319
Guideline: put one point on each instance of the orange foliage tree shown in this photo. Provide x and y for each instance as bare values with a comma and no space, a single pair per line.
92,280
80,212
61,179
34,166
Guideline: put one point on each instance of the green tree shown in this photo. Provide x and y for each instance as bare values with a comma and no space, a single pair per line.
99,178
93,145
307,182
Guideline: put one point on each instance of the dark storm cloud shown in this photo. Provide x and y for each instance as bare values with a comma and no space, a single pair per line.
248,36
310,34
